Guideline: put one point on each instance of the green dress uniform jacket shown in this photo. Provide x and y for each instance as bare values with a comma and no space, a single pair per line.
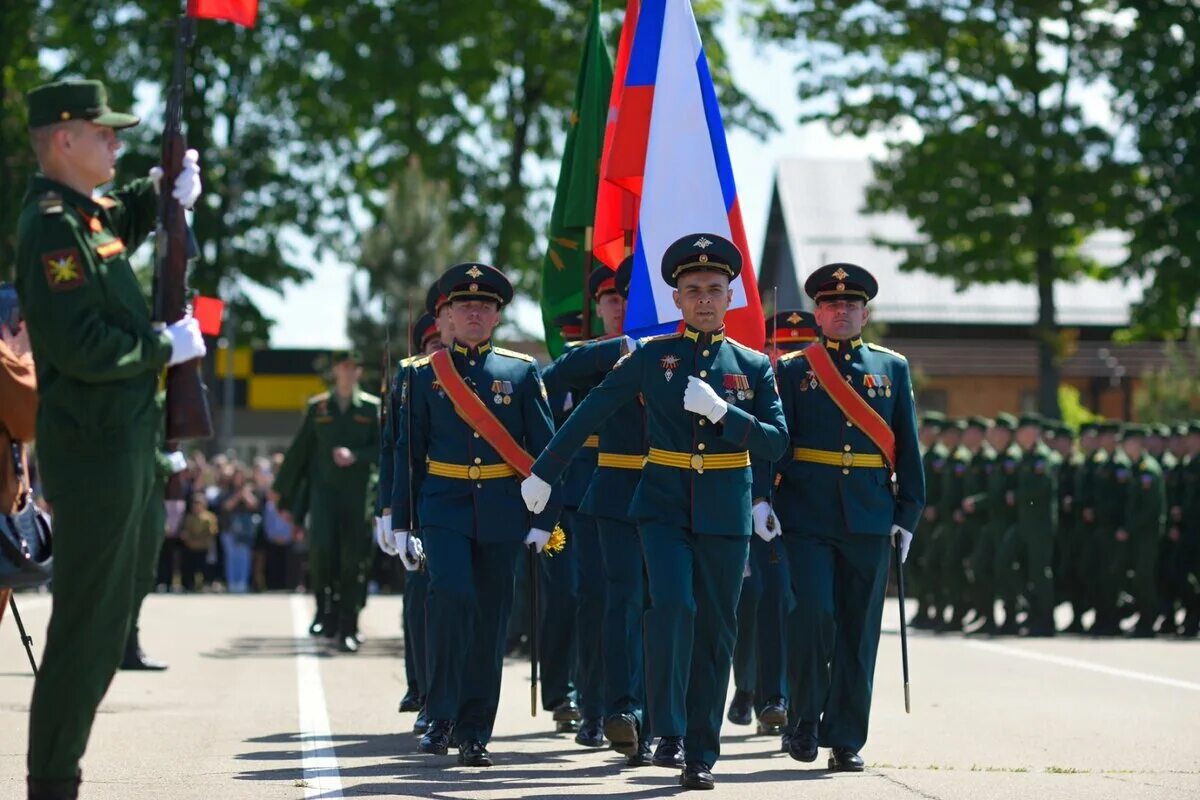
1145,521
98,361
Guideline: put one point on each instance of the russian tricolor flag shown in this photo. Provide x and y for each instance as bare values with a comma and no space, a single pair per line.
669,147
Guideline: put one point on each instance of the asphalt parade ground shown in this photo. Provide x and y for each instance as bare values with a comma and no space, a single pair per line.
253,708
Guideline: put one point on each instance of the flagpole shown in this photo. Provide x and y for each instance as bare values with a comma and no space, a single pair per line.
587,271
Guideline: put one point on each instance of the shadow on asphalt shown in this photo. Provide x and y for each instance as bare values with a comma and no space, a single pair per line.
290,647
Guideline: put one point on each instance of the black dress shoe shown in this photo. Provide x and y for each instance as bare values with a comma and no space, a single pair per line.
566,716
669,752
803,744
640,757
622,731
410,702
422,723
472,753
696,775
773,718
591,733
53,790
741,708
436,741
347,644
843,759
135,659
785,741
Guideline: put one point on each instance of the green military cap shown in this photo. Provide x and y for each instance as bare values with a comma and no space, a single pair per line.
1179,429
1065,430
602,281
1160,429
701,252
423,330
933,419
434,300
1109,426
792,326
1031,420
982,423
625,276
338,356
1006,421
64,101
841,280
955,425
1133,429
1089,428
570,324
475,281
1194,426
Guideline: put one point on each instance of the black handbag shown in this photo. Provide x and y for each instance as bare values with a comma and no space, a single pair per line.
25,539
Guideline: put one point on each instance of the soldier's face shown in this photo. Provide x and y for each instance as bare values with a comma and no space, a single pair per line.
842,317
474,320
1156,445
972,438
703,298
1132,445
346,373
445,323
611,308
1193,443
1088,442
1108,441
90,151
1000,438
433,344
1028,436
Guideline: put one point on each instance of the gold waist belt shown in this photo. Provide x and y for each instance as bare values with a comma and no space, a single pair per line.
835,459
619,461
698,461
472,472
592,441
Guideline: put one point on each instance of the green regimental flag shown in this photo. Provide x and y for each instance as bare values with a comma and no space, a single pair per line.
575,200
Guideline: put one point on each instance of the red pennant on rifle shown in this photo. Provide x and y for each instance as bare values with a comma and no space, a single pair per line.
240,12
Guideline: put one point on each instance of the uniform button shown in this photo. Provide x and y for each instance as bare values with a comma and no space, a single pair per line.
704,353
479,486
472,363
480,460
703,421
847,357
846,447
476,434
849,424
845,472
703,373
700,446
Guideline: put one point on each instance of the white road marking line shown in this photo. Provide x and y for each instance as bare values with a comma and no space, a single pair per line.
1063,661
322,778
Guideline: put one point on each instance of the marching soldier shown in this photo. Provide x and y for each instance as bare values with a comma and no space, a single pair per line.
852,484
934,455
1024,560
1189,529
1070,581
1110,491
472,414
970,526
333,454
98,359
711,404
947,548
991,517
620,457
429,335
1135,552
1165,444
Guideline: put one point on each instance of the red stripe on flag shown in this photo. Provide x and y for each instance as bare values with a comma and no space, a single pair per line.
616,208
240,12
745,324
627,162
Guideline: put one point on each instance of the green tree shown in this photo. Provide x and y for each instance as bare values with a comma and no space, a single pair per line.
1172,392
1006,176
18,69
1153,64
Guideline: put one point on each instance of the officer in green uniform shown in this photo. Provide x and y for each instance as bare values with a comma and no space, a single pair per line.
947,550
935,460
1109,495
1189,529
429,334
474,526
841,504
970,526
991,517
764,634
1086,541
620,458
334,453
710,405
1070,582
1135,551
1165,447
1024,559
99,358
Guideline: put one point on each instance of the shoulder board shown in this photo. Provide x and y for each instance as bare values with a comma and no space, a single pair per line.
417,361
368,398
514,354
880,348
407,361
662,337
736,343
573,345
106,202
316,398
622,360
51,204
791,355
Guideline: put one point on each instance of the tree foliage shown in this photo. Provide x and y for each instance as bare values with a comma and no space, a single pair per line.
18,70
1006,175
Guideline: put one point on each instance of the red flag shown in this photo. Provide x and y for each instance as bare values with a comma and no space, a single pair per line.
208,312
240,12
616,207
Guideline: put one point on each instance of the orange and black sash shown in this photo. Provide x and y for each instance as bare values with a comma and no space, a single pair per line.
851,403
477,415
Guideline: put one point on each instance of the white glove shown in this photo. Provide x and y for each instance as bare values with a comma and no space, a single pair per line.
904,543
766,524
700,398
538,538
177,461
187,185
536,494
408,547
187,343
631,344
383,535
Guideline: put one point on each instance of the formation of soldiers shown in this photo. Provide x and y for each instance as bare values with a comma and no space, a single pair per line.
1023,515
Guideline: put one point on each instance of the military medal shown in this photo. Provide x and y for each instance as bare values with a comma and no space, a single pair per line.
669,363
869,382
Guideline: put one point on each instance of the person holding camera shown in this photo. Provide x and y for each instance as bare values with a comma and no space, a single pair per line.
98,359
18,404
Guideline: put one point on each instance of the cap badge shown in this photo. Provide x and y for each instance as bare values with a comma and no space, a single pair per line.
841,287
474,272
794,318
841,274
702,243
474,287
703,259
